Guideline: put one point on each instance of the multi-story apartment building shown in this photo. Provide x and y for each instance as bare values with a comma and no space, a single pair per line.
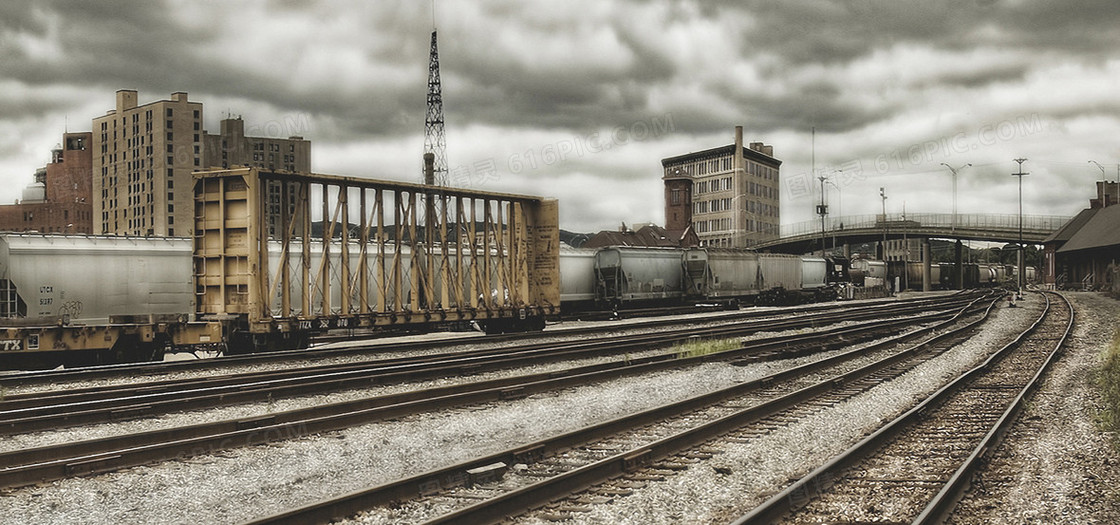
728,195
143,157
58,201
230,147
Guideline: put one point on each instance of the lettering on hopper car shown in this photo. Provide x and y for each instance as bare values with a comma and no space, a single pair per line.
11,345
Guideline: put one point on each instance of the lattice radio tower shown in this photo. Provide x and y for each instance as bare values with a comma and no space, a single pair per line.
434,140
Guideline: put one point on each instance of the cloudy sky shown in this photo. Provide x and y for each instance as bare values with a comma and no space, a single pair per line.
581,99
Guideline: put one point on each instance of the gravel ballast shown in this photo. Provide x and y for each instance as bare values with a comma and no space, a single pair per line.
237,485
1054,465
748,473
233,486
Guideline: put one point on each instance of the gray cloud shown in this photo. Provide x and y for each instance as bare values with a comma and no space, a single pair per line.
873,77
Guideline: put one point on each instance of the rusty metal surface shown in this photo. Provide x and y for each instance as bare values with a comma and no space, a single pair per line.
385,253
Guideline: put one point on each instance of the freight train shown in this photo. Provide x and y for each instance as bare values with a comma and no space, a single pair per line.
975,275
631,276
80,281
148,285
98,280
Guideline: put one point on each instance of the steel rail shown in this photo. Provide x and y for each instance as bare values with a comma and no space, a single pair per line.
942,505
447,477
100,455
782,503
13,401
12,379
29,413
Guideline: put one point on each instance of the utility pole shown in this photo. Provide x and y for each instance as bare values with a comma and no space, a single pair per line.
839,210
1022,256
905,252
953,228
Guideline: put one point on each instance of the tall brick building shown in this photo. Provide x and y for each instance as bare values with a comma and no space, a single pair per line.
143,157
59,200
728,195
133,174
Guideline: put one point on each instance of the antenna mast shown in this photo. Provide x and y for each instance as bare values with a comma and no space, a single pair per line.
434,140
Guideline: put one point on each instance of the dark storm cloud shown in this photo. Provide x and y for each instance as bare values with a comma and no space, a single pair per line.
872,76
144,46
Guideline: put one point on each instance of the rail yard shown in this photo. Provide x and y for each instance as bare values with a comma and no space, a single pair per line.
445,361
706,417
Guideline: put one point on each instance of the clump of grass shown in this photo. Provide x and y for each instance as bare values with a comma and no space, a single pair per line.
706,347
1108,382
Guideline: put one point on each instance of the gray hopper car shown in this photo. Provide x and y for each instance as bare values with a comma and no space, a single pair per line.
634,275
717,275
577,277
779,271
93,280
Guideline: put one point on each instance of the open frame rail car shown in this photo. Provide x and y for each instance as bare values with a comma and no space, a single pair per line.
382,255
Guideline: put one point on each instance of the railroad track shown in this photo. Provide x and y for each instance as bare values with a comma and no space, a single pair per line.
30,466
55,409
359,347
915,468
611,459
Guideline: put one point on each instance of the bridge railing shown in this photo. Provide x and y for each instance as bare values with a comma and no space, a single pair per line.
971,221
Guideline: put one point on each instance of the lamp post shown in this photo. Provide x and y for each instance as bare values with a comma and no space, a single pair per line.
953,228
883,196
1020,250
1103,176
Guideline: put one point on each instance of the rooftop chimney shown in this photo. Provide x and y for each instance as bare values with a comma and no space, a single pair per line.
737,156
126,99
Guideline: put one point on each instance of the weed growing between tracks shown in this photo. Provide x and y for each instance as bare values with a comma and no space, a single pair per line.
1108,381
707,347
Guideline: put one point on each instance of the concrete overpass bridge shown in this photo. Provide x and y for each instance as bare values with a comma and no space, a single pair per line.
804,237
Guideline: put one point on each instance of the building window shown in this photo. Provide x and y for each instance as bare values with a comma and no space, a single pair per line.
170,219
170,208
169,113
675,197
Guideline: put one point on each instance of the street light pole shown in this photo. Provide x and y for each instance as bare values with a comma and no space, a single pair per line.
1021,255
883,196
953,228
1103,176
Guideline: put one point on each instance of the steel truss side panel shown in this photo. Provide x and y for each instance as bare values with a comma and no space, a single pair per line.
412,254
